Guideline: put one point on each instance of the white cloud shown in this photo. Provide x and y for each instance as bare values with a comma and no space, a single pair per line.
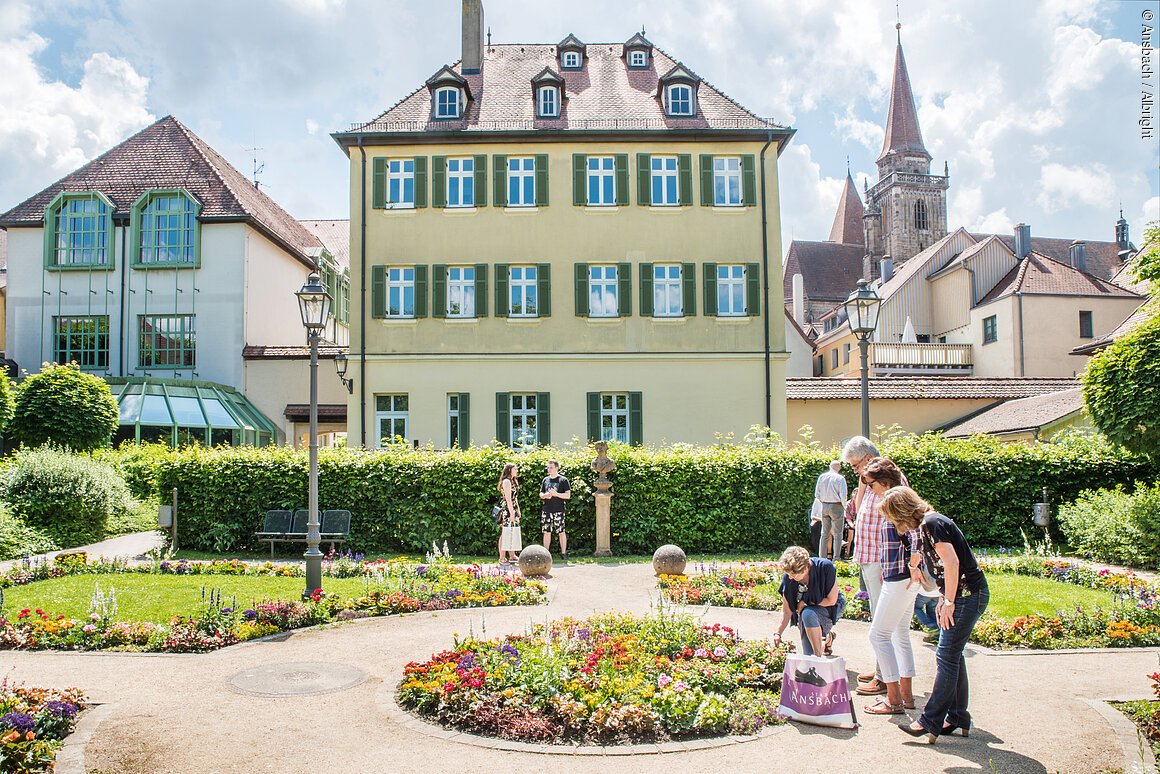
311,126
1064,186
866,133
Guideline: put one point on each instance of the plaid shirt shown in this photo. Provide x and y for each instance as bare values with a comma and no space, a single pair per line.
896,550
868,528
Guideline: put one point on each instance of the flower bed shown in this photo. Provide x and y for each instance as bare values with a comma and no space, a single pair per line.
612,678
750,585
1145,713
33,725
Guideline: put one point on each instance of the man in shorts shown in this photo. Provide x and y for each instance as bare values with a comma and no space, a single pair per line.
554,491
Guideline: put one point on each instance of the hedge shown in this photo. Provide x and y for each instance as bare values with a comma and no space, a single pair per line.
707,499
1111,525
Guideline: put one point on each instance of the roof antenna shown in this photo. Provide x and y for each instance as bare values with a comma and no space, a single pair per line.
257,167
489,37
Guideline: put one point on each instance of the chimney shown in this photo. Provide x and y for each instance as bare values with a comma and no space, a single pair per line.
1022,241
1077,252
472,37
799,299
886,268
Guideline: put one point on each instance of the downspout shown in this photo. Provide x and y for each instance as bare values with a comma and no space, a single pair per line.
362,301
765,284
124,300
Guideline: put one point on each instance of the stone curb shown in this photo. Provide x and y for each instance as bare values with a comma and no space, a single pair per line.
70,759
1138,758
985,651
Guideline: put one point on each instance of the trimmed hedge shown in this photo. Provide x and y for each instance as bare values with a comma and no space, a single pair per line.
707,499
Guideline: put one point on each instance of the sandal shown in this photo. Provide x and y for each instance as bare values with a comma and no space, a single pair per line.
867,677
829,648
872,688
908,704
881,707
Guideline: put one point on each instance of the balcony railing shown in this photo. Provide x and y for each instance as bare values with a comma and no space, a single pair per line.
899,358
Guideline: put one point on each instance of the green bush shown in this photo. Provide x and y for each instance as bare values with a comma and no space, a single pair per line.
714,499
7,400
137,463
1115,526
69,497
17,539
64,406
1121,387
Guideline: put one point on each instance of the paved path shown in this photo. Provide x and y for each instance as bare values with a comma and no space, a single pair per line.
174,713
132,546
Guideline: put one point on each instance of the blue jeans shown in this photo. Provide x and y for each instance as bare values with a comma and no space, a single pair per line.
948,699
924,608
817,617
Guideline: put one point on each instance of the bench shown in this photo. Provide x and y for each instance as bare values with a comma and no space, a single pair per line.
284,527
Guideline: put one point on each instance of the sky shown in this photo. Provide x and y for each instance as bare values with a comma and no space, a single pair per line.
1034,104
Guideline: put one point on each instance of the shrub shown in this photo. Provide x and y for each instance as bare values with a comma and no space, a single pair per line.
64,406
7,400
17,539
137,463
1121,387
68,497
1115,526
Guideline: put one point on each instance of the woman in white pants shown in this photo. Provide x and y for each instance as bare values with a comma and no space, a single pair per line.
890,628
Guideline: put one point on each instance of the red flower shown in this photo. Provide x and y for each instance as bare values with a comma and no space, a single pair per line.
23,613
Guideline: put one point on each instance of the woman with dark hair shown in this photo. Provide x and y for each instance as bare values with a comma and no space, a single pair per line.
509,489
949,558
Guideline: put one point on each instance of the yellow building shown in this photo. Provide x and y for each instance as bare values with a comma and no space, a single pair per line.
564,241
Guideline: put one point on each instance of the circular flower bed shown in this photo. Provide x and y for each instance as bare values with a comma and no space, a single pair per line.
612,678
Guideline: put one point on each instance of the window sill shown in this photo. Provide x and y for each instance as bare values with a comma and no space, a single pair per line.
398,320
461,320
604,209
81,267
153,266
459,210
604,320
669,319
671,209
735,319
524,320
527,209
399,209
729,208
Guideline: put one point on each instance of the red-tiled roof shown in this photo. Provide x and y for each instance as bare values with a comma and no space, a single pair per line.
902,131
604,94
335,235
830,270
1020,415
166,154
847,228
1039,275
1101,258
922,388
258,352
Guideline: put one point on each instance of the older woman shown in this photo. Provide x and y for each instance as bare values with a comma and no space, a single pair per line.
949,558
810,598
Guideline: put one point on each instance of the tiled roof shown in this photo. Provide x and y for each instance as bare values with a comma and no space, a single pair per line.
830,270
1101,258
847,228
335,235
1020,415
1126,278
327,412
1039,275
258,352
603,95
922,388
1142,313
166,154
902,131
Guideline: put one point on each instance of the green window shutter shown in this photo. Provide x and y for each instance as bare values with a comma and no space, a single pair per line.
643,179
748,181
710,290
502,302
579,179
541,180
685,179
481,290
593,417
480,169
379,183
635,418
464,439
624,290
707,196
420,291
646,290
503,421
620,160
581,290
378,291
689,289
499,175
543,419
438,182
544,289
753,289
438,290
420,181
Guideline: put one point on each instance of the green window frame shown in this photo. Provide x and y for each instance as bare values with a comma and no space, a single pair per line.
990,329
81,339
165,230
167,341
458,420
616,416
78,232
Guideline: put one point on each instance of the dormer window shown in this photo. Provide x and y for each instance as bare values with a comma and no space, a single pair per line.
571,60
449,94
571,51
447,102
548,102
637,51
680,100
637,59
678,89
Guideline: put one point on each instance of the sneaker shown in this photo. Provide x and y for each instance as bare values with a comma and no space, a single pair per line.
809,676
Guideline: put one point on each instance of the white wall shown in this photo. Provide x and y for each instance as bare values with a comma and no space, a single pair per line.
272,278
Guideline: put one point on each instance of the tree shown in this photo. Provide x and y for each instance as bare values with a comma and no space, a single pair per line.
1147,261
1121,388
7,401
63,405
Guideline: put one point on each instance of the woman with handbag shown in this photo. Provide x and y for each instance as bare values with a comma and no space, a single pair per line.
509,515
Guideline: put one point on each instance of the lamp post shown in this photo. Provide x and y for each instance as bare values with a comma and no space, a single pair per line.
340,364
862,313
314,304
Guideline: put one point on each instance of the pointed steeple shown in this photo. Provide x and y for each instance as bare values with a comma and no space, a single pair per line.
902,132
847,228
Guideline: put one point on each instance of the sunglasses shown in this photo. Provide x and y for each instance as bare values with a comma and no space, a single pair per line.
867,481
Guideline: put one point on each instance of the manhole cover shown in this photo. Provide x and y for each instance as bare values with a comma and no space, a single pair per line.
303,678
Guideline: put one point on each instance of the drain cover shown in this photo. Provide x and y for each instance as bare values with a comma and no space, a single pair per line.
299,678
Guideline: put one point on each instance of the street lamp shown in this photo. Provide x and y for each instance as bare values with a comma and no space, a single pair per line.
340,364
314,304
862,313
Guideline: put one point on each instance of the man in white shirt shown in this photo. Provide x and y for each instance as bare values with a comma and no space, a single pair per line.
832,493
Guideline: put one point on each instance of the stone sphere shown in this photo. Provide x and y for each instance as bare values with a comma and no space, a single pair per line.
669,560
535,561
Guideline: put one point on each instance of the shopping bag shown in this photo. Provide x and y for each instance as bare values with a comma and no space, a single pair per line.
816,690
511,540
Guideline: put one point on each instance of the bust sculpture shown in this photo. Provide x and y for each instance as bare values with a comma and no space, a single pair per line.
602,466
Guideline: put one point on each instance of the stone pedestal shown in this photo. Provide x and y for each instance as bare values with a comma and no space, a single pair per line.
603,524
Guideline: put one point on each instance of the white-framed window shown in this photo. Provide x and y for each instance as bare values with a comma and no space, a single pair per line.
391,417
523,418
667,300
727,181
680,99
521,176
614,417
571,60
637,59
602,291
548,102
461,182
664,181
453,419
401,183
400,291
522,290
730,290
461,291
601,180
447,102
846,353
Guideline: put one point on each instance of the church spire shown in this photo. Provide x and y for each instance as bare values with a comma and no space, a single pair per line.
847,228
902,131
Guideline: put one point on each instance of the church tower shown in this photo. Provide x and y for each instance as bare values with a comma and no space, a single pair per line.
906,210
